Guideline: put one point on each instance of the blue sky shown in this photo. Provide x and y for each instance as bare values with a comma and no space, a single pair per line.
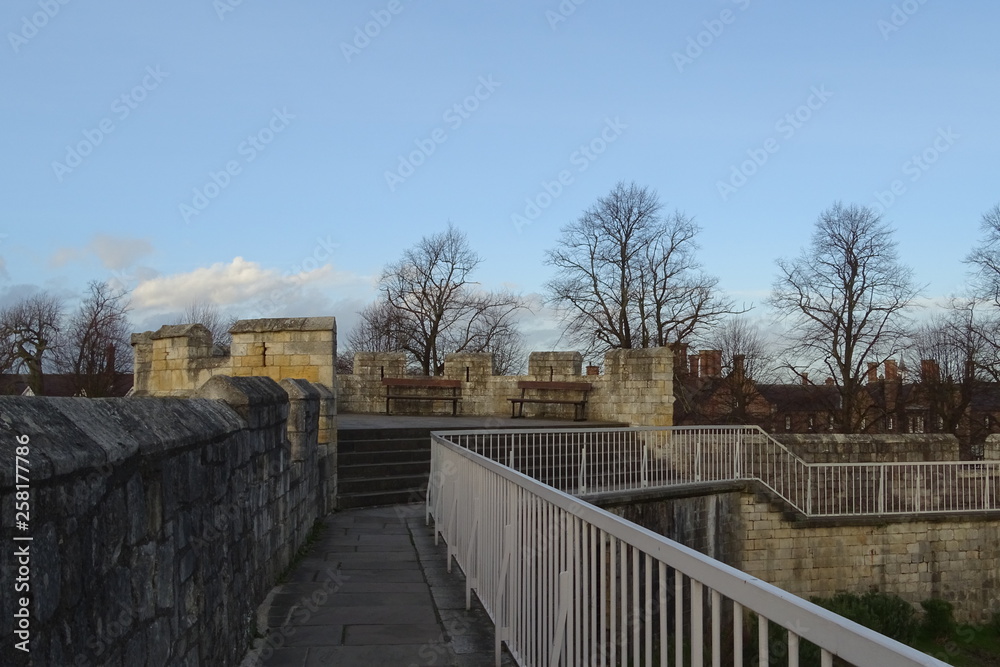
271,158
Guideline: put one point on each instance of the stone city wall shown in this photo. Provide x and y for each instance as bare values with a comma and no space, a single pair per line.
636,386
871,448
160,524
176,360
955,558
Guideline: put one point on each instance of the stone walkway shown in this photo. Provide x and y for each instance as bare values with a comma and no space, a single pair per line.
374,590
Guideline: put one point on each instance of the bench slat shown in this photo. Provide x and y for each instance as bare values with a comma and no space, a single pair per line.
564,386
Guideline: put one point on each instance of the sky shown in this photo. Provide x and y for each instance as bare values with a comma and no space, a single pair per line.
271,158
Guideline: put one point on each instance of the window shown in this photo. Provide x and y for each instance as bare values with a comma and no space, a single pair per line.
812,421
888,423
788,423
916,423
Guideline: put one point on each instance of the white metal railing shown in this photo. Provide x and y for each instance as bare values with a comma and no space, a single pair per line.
594,461
567,583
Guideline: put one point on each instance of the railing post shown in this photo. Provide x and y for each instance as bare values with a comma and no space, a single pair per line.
697,460
645,465
809,490
583,469
452,530
881,490
562,616
501,629
472,572
986,488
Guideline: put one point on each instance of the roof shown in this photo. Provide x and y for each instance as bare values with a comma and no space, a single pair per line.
58,384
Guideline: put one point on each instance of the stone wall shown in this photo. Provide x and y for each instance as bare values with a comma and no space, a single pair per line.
636,387
176,360
991,448
871,448
159,524
954,558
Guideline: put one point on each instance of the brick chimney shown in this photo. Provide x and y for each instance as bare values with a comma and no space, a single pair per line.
872,372
711,363
891,370
693,361
739,366
805,378
829,382
930,371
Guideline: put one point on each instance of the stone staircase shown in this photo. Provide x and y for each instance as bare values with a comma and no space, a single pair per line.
382,466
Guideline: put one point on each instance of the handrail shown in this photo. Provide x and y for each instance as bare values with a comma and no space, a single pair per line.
562,558
624,459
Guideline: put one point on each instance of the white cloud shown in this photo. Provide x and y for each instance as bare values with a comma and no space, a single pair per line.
113,252
248,290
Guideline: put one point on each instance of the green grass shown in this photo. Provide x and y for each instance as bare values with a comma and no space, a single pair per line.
968,646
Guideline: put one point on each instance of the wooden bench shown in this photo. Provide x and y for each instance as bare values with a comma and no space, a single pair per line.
392,385
579,404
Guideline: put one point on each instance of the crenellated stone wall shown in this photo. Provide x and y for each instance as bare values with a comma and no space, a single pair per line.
176,360
160,524
636,387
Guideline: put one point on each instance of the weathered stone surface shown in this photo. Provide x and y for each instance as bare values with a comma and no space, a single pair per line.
160,524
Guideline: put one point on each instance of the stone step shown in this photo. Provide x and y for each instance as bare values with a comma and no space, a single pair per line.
385,456
378,498
383,468
383,444
361,485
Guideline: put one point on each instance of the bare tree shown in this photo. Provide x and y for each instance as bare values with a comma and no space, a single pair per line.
208,315
96,347
845,297
380,329
29,330
627,276
739,337
986,258
429,306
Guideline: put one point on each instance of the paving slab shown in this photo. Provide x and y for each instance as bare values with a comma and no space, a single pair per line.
373,590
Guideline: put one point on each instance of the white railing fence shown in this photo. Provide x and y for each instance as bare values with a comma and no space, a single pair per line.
594,461
567,583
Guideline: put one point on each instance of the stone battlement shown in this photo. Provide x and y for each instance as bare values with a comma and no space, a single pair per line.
636,386
175,360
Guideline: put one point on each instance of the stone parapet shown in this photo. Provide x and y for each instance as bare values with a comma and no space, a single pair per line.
871,448
160,524
636,387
